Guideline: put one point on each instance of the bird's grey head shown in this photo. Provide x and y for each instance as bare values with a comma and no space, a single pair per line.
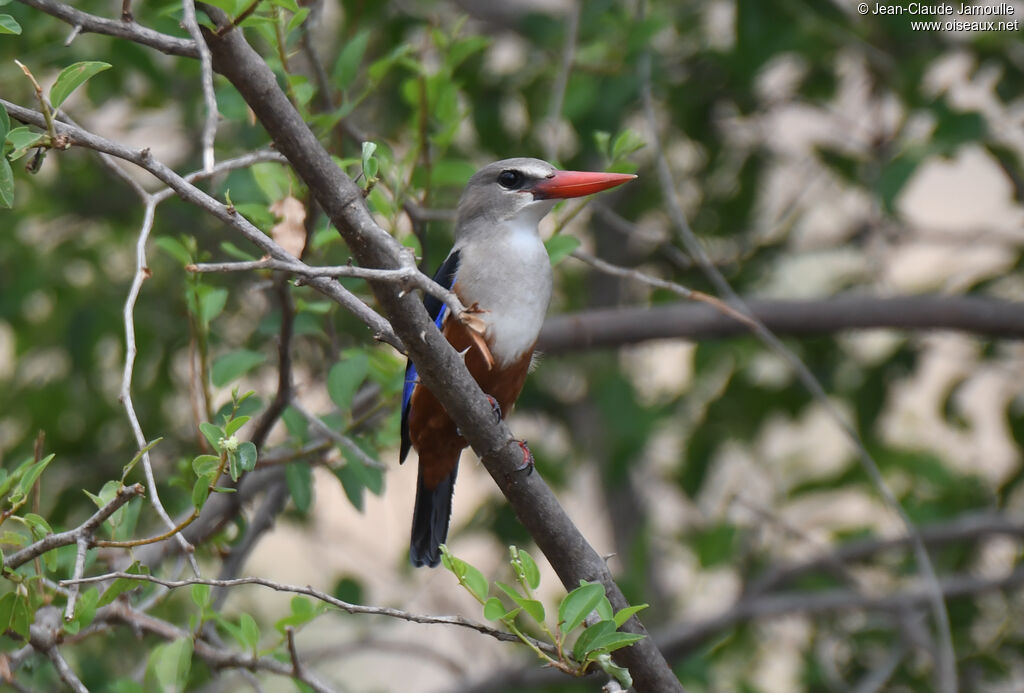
519,192
505,191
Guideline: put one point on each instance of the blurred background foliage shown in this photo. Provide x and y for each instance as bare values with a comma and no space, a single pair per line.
801,136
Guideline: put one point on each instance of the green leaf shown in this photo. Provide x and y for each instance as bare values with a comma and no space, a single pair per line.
303,612
211,302
273,180
33,473
585,643
85,609
494,610
72,77
578,604
250,632
247,456
299,476
346,67
5,123
205,465
8,25
233,365
531,606
6,184
530,570
369,161
345,377
6,610
627,142
609,642
170,664
559,246
232,426
623,615
21,140
476,582
174,248
212,433
200,492
715,545
201,595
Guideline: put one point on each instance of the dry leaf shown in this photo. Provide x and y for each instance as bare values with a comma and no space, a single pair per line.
290,232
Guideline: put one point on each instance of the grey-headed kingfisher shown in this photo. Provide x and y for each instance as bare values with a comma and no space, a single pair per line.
499,268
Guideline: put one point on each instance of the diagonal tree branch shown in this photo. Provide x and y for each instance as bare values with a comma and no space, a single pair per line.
439,366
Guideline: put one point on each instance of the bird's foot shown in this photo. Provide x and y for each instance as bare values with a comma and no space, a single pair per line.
528,462
495,407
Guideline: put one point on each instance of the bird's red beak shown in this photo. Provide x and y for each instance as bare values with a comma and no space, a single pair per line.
565,184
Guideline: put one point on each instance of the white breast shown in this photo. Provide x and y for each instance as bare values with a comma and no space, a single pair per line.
509,277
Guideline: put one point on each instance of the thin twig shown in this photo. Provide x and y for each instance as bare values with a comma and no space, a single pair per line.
381,328
86,529
90,23
338,438
64,671
206,79
550,124
407,276
318,595
141,274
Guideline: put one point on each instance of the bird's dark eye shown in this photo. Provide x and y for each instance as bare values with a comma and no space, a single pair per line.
510,179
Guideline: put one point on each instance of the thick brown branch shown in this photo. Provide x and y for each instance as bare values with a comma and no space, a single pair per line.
607,328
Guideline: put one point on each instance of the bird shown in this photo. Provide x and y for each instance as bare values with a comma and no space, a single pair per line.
499,268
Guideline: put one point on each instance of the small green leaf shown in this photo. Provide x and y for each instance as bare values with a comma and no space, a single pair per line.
21,140
213,434
33,473
233,365
494,610
620,674
585,643
530,570
6,184
72,77
232,426
609,642
201,595
247,456
200,492
5,123
205,465
250,632
273,180
299,476
560,246
369,160
347,65
623,615
476,582
174,248
8,25
170,664
627,142
578,604
127,469
6,610
345,377
211,302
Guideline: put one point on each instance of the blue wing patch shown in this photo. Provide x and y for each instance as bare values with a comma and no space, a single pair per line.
445,276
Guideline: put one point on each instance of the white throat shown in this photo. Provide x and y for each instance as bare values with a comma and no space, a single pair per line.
506,271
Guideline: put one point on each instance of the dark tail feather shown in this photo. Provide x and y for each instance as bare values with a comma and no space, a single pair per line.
430,519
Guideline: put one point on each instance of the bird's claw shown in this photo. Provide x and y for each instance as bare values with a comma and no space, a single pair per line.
528,461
